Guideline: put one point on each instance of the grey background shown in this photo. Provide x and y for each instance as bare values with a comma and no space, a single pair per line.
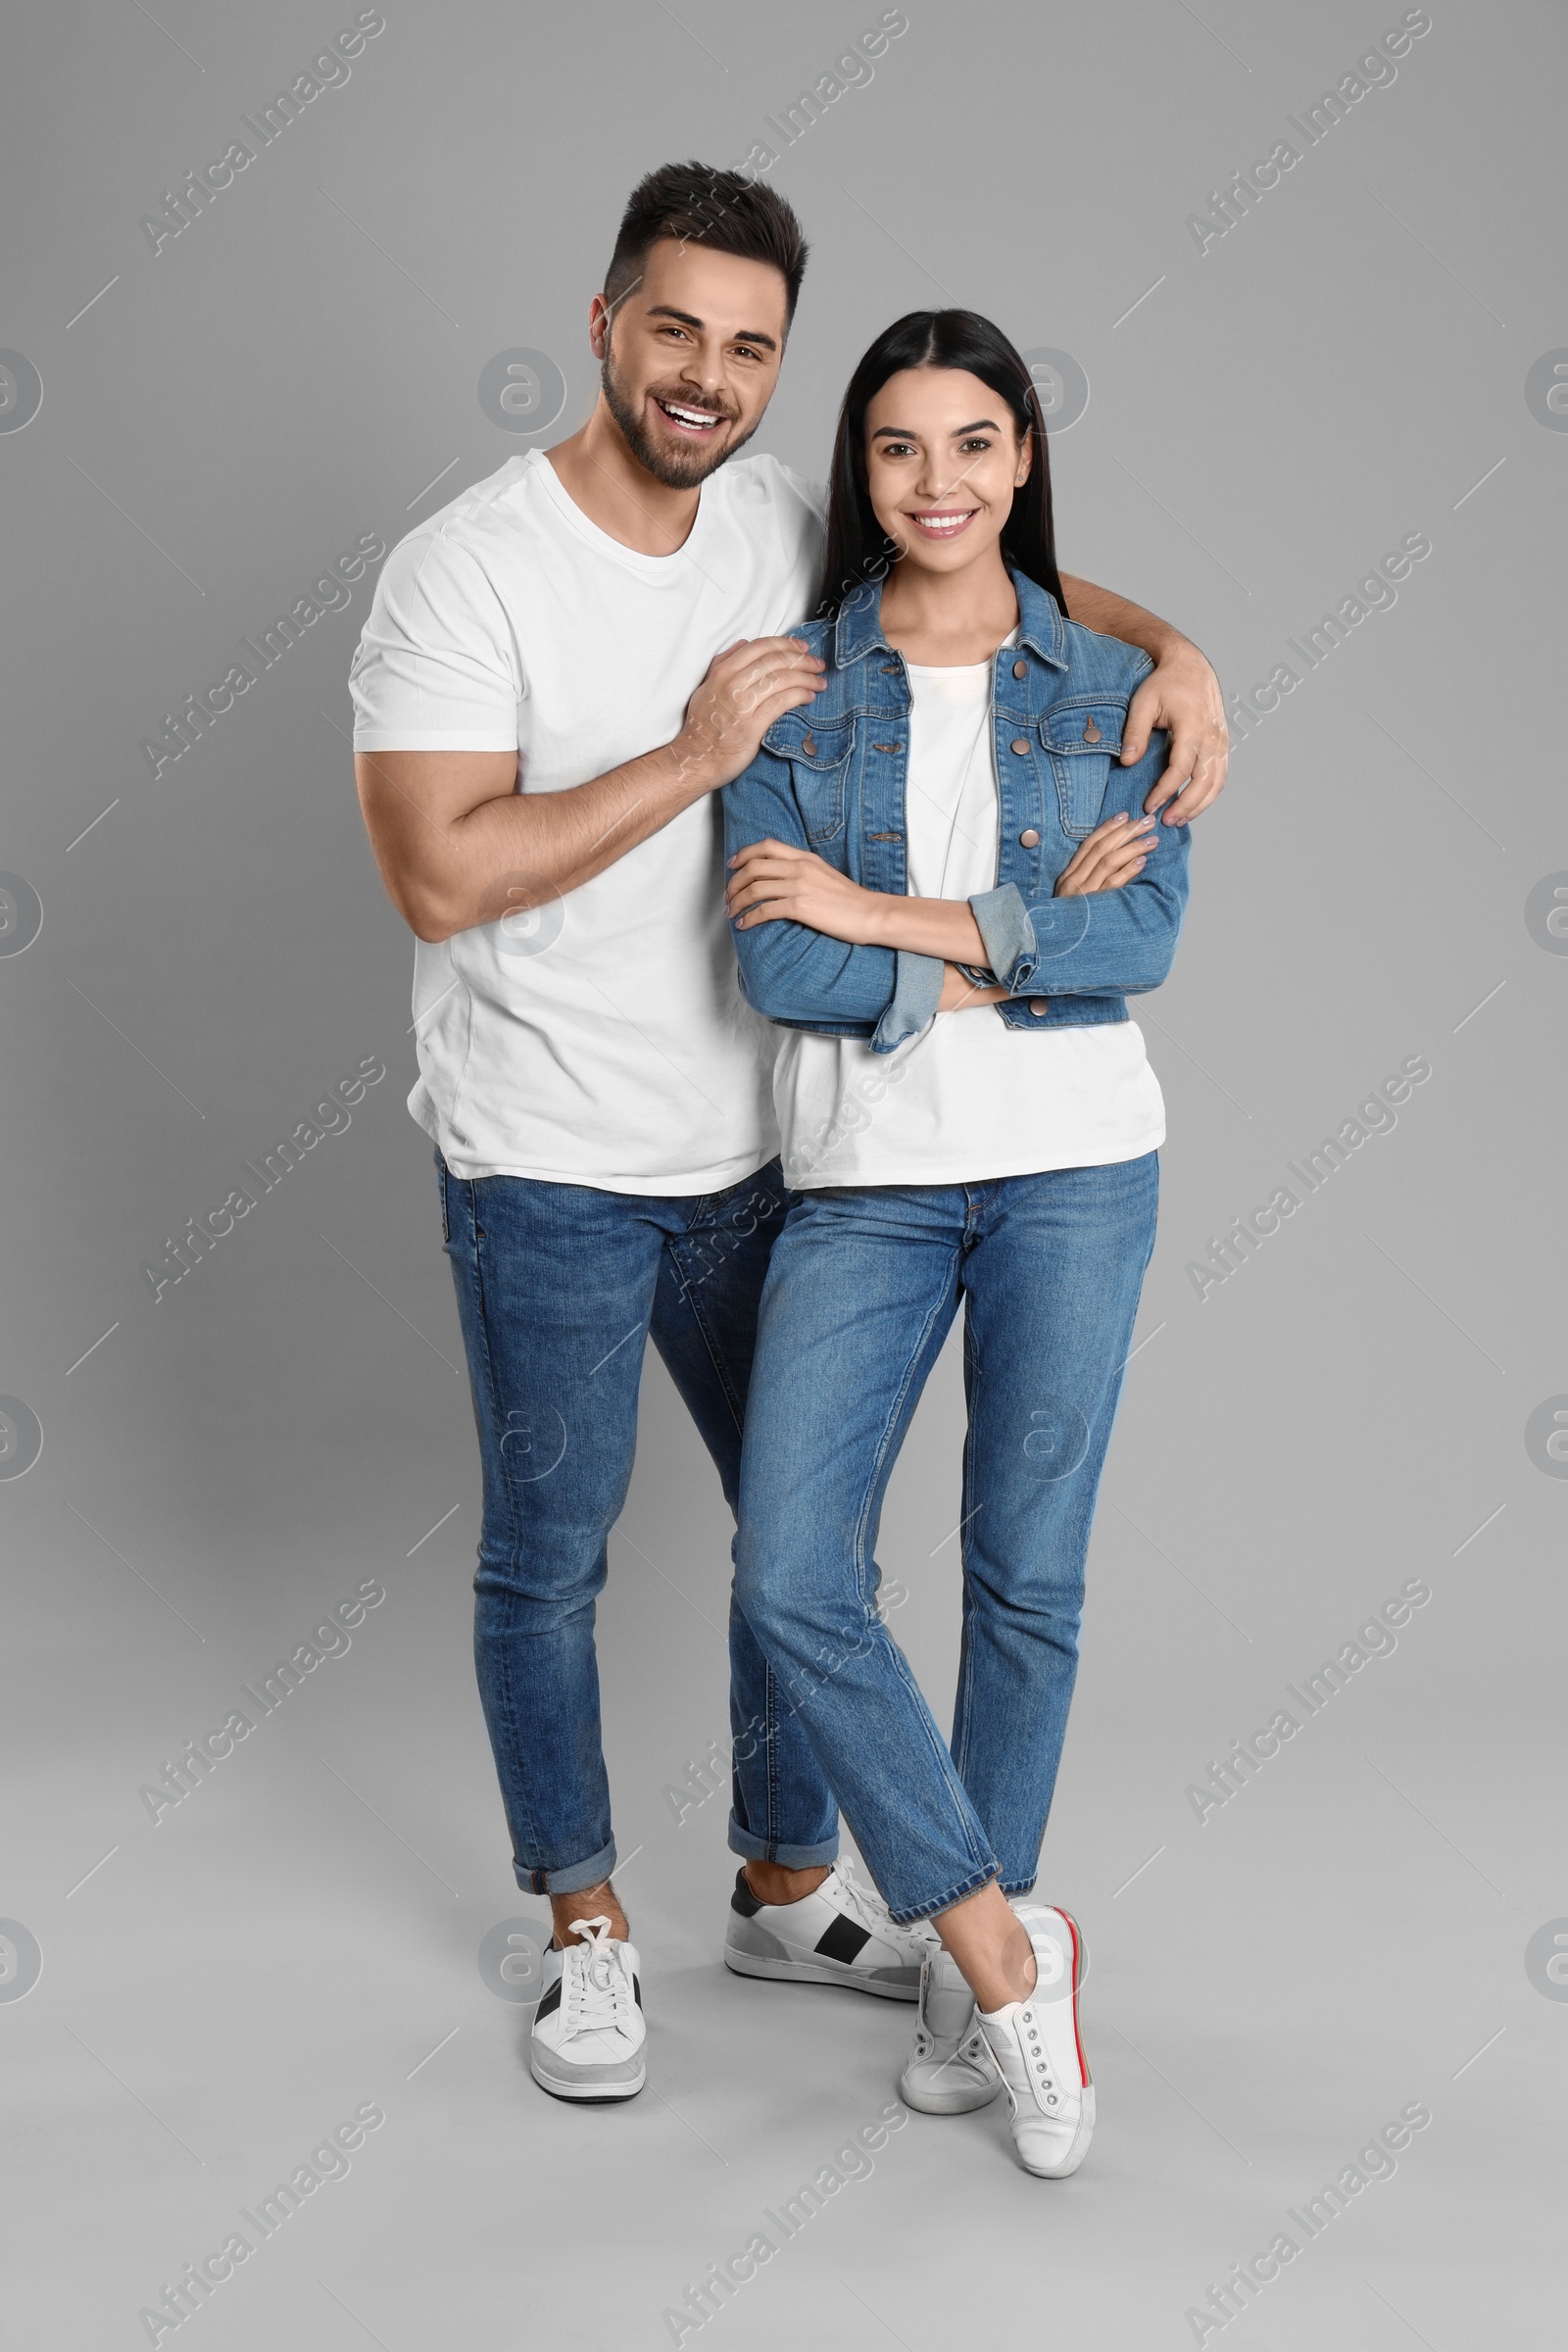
1346,1936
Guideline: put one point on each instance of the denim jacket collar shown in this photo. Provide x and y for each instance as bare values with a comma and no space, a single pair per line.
857,631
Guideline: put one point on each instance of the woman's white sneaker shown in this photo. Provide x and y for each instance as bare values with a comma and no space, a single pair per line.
839,1934
1032,1902
1040,2055
950,2070
588,2029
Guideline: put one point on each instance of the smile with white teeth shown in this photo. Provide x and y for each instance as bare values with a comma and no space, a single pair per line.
693,420
944,526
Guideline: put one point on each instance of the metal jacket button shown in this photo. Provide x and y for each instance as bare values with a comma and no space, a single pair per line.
1029,839
1020,669
1021,743
886,747
1037,1005
808,744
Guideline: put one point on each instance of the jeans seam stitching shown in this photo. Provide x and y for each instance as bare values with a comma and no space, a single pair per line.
890,1423
688,1289
939,1749
513,1530
986,1863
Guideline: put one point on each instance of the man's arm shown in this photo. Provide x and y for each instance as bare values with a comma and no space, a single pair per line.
1183,694
459,845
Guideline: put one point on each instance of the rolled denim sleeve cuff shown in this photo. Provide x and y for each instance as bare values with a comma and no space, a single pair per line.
1004,926
917,988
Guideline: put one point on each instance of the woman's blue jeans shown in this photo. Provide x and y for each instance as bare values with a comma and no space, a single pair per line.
862,1291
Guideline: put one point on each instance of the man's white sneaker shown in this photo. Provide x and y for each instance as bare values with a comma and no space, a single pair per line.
950,2070
588,2029
1039,2054
839,1934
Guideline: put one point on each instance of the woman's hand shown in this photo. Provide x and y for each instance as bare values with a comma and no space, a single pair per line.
1113,855
772,883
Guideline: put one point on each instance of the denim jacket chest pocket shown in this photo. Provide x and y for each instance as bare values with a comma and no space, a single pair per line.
1083,737
818,752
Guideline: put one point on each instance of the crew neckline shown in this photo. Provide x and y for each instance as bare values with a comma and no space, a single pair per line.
657,569
961,669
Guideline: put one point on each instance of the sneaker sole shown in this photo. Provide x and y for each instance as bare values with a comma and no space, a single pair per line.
594,2096
1076,2152
817,1972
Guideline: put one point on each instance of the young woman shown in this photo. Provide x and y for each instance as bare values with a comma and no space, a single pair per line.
943,886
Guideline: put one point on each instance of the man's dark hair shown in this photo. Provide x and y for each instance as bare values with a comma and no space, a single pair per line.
722,210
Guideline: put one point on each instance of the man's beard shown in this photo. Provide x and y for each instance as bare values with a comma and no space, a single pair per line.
676,469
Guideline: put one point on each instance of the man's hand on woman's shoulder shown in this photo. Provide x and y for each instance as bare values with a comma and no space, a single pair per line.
1183,694
744,689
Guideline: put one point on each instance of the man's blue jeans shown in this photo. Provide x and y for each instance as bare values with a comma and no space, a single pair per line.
558,1288
862,1292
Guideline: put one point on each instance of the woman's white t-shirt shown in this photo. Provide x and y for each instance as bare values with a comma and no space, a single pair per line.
969,1099
602,1037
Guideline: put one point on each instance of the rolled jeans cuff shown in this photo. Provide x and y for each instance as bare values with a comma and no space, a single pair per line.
753,1849
917,991
1003,921
909,1915
571,1881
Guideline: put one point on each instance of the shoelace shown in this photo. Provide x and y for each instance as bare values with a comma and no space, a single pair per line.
866,1904
597,1994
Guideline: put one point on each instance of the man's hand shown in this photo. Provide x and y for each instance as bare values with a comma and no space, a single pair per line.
1183,694
747,687
1111,856
770,882
459,845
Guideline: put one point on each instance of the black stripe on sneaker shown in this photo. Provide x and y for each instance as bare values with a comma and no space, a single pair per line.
637,1990
843,1941
551,2000
743,1899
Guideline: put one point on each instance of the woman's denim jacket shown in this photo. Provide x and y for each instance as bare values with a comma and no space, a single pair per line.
830,778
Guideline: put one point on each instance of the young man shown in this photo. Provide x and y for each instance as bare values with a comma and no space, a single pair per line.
559,671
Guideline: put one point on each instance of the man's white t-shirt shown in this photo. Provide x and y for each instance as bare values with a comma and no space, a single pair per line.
601,1039
969,1099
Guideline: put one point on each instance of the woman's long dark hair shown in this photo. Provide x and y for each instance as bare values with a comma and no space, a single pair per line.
859,553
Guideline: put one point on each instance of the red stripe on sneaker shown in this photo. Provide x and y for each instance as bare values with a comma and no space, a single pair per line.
1077,1951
